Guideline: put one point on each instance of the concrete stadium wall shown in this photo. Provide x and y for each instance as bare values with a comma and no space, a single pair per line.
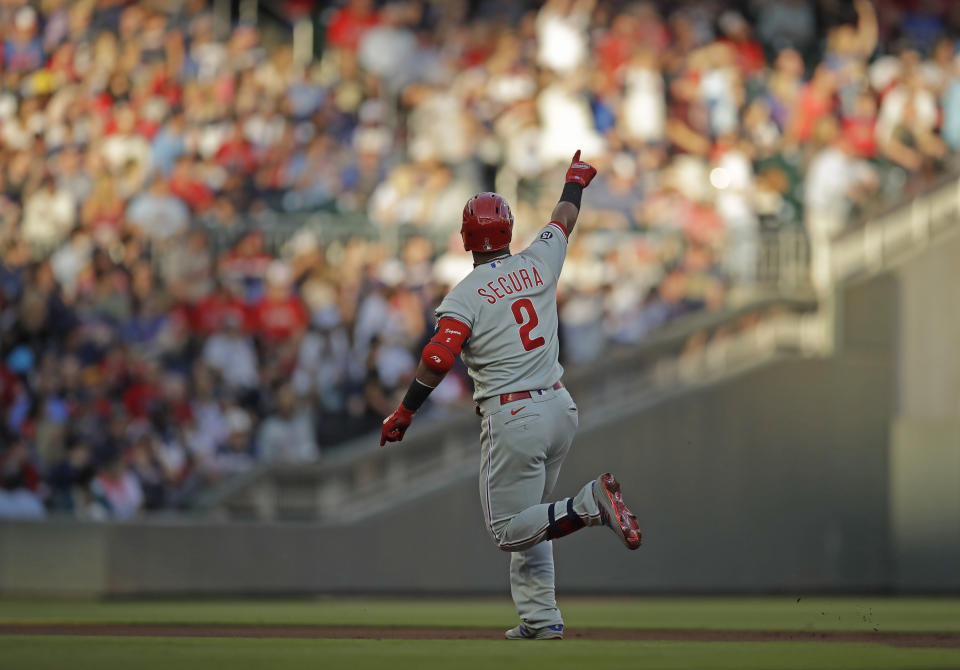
925,445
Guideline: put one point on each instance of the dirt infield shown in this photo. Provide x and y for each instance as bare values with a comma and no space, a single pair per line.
943,640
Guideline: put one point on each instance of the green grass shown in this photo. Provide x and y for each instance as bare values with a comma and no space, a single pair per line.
241,654
772,613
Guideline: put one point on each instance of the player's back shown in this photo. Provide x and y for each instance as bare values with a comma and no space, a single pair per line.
510,306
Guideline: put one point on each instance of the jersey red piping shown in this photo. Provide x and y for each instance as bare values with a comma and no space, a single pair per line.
563,230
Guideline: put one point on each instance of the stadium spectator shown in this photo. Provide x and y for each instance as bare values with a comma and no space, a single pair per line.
231,355
19,484
836,181
158,213
349,23
235,453
22,48
49,213
70,478
951,109
287,435
117,489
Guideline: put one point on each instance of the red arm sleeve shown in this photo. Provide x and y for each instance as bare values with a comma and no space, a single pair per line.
448,340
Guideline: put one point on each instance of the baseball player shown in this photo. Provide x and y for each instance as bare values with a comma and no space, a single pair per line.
502,320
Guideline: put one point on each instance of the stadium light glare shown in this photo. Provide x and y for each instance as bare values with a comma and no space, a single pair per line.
719,178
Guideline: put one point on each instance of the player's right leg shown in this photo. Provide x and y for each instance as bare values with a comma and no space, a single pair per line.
521,456
614,512
605,490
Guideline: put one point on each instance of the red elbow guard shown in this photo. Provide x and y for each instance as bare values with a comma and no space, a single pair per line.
437,357
440,354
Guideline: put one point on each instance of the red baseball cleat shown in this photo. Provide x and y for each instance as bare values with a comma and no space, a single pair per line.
614,512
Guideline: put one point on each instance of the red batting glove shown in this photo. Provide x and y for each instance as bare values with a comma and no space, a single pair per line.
580,172
395,425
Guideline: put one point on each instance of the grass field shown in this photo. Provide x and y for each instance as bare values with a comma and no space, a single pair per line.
874,617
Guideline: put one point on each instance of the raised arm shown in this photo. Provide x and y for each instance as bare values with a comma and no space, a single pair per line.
579,176
867,28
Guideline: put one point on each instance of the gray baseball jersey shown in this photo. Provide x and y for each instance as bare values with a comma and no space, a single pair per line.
510,306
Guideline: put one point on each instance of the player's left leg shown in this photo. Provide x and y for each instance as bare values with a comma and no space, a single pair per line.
532,582
532,586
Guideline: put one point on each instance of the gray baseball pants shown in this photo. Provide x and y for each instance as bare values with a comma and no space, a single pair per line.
523,444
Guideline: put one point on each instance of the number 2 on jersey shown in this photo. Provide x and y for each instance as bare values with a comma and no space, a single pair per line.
526,317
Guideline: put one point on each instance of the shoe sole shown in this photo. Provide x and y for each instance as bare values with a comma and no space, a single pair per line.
626,520
537,636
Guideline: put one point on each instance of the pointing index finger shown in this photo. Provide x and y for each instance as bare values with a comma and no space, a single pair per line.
576,156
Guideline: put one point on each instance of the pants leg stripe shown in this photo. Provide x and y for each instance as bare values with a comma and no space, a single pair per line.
489,466
517,543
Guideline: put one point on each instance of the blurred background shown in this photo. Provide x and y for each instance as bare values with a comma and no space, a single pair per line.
225,224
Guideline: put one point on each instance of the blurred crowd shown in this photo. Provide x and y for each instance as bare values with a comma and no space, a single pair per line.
142,359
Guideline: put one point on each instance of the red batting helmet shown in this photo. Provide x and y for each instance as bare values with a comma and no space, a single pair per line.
487,223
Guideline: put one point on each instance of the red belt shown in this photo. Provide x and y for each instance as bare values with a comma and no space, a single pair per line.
523,395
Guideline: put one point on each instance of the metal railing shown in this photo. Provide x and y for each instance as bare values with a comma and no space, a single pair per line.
781,257
891,238
783,260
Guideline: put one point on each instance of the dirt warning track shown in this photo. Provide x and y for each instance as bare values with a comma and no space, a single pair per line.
949,640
